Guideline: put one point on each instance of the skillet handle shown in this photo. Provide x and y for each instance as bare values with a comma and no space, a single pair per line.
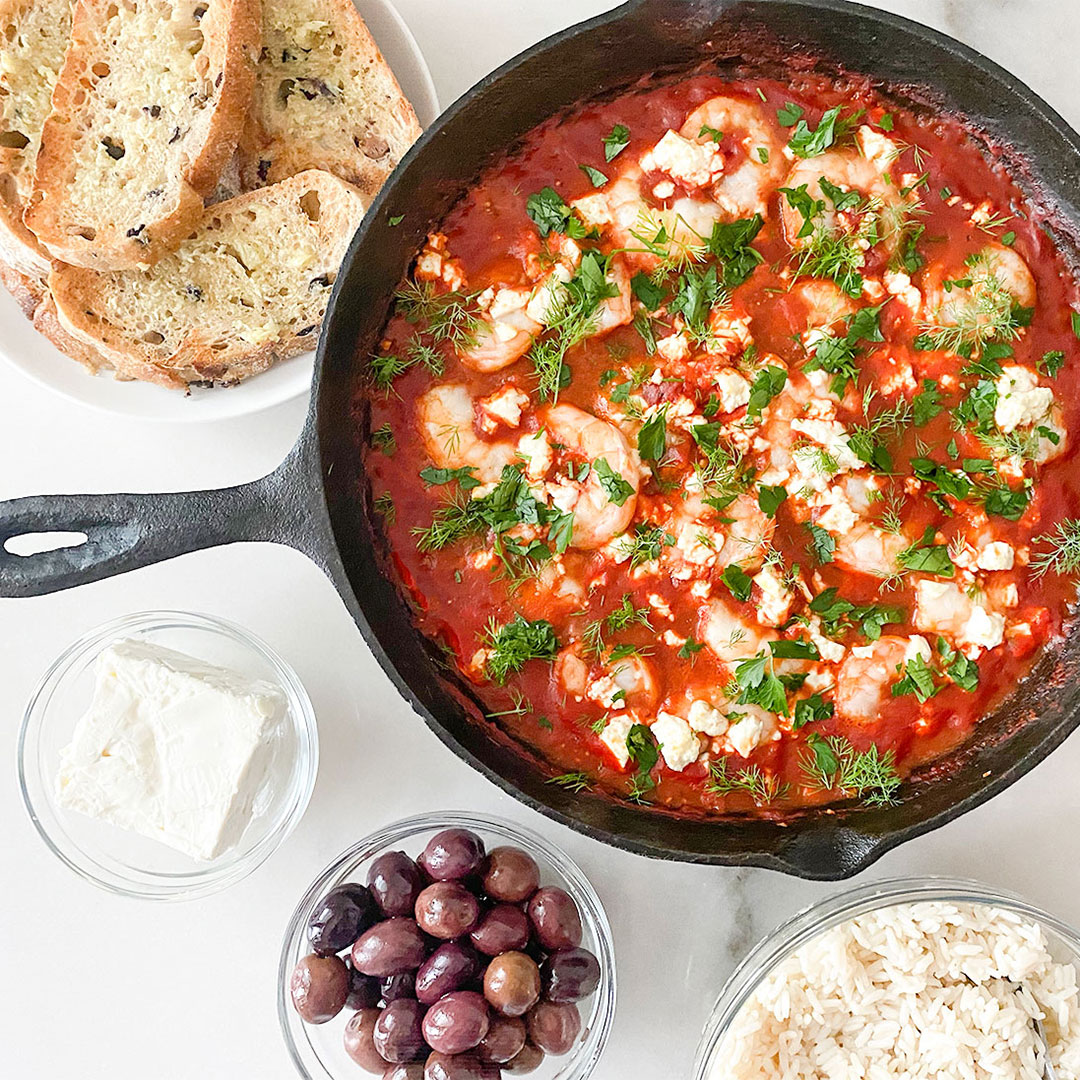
125,532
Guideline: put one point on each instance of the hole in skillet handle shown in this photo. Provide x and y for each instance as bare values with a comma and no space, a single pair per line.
37,543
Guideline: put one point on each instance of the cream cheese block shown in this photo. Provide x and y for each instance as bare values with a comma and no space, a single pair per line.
171,747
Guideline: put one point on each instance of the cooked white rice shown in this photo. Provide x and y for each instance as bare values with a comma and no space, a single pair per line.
929,990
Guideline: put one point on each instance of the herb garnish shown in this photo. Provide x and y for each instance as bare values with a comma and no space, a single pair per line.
517,642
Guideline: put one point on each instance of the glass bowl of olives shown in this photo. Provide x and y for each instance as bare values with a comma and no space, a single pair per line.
448,946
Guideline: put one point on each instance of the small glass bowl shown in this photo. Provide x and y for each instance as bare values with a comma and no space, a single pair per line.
1062,939
124,862
317,1050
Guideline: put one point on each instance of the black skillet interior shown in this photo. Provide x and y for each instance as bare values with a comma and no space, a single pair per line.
614,51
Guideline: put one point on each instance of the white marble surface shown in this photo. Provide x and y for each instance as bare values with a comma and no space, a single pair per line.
96,987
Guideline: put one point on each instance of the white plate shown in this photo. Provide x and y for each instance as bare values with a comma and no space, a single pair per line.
36,358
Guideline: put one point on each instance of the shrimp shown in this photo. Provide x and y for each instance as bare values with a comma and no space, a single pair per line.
748,534
571,672
505,334
884,206
744,190
614,310
629,683
447,424
866,549
727,635
631,223
865,675
997,278
585,438
825,302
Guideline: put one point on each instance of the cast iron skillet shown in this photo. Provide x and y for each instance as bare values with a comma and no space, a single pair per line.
318,502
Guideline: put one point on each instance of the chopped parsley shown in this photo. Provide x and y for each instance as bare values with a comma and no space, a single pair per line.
757,684
927,557
615,486
926,404
806,143
789,114
616,141
918,679
810,710
689,648
768,382
822,542
596,177
644,753
1050,363
652,438
550,214
647,291
511,646
770,499
738,581
464,477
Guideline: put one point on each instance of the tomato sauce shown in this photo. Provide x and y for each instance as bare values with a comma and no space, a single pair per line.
958,200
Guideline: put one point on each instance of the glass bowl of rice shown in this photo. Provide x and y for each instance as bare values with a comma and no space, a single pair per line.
913,978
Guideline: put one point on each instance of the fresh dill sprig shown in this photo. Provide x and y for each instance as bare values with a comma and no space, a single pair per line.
624,616
512,645
521,704
573,314
448,316
1063,556
383,439
980,311
572,781
832,763
384,505
760,786
451,522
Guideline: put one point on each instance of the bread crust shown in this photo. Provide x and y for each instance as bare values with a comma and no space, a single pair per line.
78,293
274,146
230,43
28,291
24,96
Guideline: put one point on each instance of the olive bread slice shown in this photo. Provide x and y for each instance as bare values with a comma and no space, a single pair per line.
247,289
33,39
324,99
145,114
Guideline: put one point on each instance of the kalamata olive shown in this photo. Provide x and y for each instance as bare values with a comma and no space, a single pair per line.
511,875
528,1059
456,1022
395,882
389,948
399,1034
447,910
398,986
404,1070
501,929
448,968
569,975
364,990
505,1037
553,1027
457,1067
359,1039
512,983
319,987
342,915
452,855
555,918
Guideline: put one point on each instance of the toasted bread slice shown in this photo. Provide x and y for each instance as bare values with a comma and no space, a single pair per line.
247,289
29,291
32,296
145,115
34,36
324,99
